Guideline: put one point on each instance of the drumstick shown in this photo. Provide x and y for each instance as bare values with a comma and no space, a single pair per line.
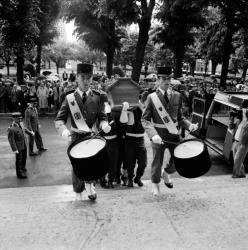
95,135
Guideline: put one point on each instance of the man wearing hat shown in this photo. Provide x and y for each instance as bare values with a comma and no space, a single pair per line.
162,115
32,123
18,145
85,107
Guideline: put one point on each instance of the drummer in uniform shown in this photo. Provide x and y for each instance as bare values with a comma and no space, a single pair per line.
86,108
162,115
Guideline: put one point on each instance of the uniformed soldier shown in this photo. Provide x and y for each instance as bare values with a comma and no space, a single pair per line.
91,106
135,150
160,117
32,124
18,145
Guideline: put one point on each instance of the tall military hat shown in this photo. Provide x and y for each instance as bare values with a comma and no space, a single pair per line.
16,114
84,68
164,71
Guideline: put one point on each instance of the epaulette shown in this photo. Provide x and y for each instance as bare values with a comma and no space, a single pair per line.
97,92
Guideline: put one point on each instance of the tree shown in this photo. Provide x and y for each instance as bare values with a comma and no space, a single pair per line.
179,19
235,14
19,28
47,17
97,26
58,53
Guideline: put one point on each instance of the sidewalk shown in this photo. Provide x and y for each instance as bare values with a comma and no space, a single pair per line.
203,213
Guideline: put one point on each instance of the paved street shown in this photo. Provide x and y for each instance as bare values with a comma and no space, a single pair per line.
209,212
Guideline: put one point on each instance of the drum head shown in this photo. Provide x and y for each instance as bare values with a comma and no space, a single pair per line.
87,148
188,149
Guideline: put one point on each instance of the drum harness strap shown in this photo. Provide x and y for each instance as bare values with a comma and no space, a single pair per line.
165,117
76,114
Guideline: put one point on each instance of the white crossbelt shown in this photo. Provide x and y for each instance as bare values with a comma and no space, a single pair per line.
157,125
163,114
134,135
76,114
110,137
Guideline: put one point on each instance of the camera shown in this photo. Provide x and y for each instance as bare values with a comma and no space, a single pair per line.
236,114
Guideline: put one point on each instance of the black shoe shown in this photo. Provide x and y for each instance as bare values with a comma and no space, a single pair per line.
124,180
22,176
42,149
238,176
110,184
118,181
138,182
103,182
92,197
33,154
130,183
169,185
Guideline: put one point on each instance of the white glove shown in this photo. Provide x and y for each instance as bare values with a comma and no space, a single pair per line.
193,127
39,126
66,134
157,139
107,108
106,128
16,152
125,106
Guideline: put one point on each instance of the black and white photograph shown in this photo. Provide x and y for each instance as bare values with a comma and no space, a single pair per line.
123,124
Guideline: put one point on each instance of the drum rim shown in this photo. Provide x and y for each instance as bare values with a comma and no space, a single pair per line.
83,139
187,140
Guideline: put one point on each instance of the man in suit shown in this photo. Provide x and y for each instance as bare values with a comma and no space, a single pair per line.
162,135
32,124
240,145
91,108
18,145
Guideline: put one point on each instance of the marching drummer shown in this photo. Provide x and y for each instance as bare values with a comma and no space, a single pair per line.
160,119
86,109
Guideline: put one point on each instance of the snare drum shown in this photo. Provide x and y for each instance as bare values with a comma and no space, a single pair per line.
191,158
89,158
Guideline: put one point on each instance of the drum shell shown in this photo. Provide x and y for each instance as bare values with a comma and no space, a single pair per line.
195,166
90,168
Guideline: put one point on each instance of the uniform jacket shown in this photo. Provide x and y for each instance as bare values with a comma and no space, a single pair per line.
174,109
31,119
16,137
92,110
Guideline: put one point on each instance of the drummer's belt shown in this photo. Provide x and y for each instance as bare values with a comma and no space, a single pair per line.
165,117
77,115
135,135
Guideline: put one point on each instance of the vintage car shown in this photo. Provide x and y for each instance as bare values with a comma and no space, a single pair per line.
214,122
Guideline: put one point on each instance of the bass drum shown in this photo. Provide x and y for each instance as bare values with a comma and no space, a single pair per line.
191,158
89,158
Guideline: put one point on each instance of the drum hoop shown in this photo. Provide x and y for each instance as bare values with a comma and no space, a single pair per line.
84,139
192,139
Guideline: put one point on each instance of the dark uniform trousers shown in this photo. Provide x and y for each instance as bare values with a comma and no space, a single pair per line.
78,184
21,158
158,158
113,152
135,150
38,141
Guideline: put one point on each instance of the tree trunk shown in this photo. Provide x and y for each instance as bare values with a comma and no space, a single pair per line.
144,27
245,67
206,68
140,49
214,66
226,53
49,64
7,65
38,59
20,65
192,68
110,59
57,67
178,63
